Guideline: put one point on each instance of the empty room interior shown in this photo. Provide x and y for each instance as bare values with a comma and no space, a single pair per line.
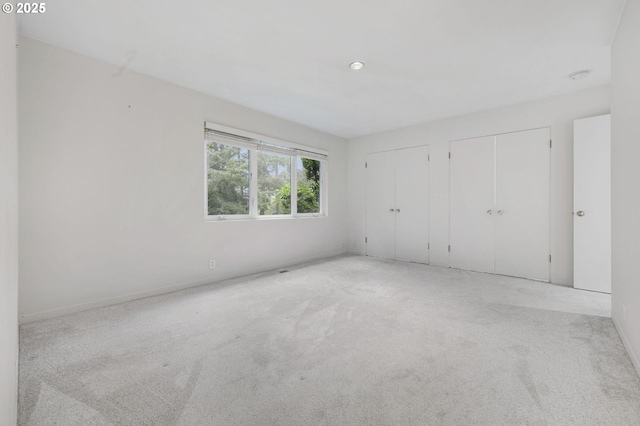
320,212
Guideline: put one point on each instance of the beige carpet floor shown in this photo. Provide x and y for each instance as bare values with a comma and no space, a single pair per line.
346,341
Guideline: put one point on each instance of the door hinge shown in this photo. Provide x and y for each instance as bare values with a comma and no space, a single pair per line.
365,165
550,143
365,239
449,249
549,258
428,246
449,156
428,158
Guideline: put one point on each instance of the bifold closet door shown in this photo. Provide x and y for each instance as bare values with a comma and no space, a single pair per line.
412,204
471,182
522,204
380,205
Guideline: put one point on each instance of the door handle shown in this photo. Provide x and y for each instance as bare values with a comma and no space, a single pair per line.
580,213
391,210
397,210
501,212
489,211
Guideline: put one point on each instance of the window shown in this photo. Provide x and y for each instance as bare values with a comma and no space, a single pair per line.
250,176
274,183
308,188
228,178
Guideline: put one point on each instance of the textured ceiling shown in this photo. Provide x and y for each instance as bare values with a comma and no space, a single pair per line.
425,59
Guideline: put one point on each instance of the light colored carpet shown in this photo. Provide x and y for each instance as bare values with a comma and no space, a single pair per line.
347,341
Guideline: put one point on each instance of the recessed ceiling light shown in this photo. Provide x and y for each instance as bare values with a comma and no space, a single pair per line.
580,75
356,65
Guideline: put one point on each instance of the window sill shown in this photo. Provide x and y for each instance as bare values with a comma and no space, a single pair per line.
263,218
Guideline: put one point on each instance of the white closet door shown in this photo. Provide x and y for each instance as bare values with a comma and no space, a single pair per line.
471,180
412,204
592,204
381,232
522,204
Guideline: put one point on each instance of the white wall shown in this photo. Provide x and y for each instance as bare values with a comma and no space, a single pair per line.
111,192
557,113
625,180
8,222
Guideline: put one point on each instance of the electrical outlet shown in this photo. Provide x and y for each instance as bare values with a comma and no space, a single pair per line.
212,264
624,314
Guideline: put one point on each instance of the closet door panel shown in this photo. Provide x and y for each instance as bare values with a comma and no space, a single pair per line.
412,204
522,204
381,205
471,180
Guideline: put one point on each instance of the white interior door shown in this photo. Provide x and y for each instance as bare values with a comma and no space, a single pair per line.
381,232
592,204
471,180
412,204
522,204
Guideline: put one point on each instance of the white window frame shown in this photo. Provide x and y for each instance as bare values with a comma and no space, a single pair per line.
255,143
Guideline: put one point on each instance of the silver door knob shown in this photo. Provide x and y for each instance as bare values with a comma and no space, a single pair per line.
489,211
397,210
580,213
391,210
500,212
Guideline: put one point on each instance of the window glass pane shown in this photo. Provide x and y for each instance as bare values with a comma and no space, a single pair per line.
274,183
308,183
227,179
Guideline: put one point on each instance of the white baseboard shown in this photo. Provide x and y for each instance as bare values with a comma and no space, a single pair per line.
625,341
66,310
